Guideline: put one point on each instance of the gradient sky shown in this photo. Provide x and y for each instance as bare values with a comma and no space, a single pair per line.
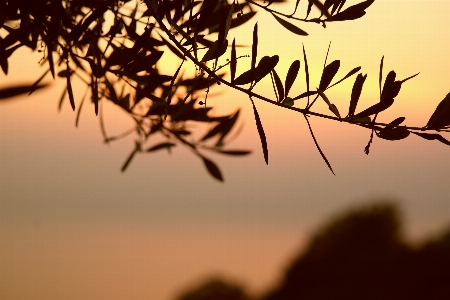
73,227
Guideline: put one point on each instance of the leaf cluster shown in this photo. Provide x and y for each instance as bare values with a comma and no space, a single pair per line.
116,47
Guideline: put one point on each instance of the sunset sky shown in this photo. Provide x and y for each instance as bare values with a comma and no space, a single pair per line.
72,226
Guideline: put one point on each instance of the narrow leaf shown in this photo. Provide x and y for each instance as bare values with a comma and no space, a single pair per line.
61,99
279,85
232,152
69,88
78,30
347,15
212,169
233,60
331,106
306,72
129,159
321,7
374,109
36,83
328,74
305,94
291,27
14,91
262,135
390,79
265,65
433,136
291,76
353,12
169,96
356,93
296,6
215,51
308,10
79,108
318,147
50,60
381,72
353,71
160,146
409,77
397,121
441,116
254,46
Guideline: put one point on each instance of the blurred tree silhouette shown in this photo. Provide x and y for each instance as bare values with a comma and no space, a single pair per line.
114,50
360,255
216,289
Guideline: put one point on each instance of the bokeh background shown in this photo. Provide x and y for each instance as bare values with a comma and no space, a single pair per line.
72,226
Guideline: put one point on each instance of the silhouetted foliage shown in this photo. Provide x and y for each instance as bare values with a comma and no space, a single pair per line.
362,255
114,49
359,255
216,289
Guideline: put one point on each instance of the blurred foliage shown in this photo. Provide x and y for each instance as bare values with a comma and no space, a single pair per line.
361,254
114,48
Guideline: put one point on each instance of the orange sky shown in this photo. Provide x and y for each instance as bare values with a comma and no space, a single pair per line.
72,226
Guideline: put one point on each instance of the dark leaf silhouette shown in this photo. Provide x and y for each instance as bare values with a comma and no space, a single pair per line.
356,93
296,6
381,72
254,46
441,116
397,121
375,109
13,91
69,88
353,12
390,79
79,108
394,134
212,169
61,99
215,51
223,128
318,147
205,13
36,83
328,74
232,152
321,7
308,10
242,19
50,60
265,65
432,136
160,146
291,76
391,91
233,61
353,71
131,156
331,106
261,133
122,66
278,85
79,29
409,77
169,97
289,26
306,71
305,94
